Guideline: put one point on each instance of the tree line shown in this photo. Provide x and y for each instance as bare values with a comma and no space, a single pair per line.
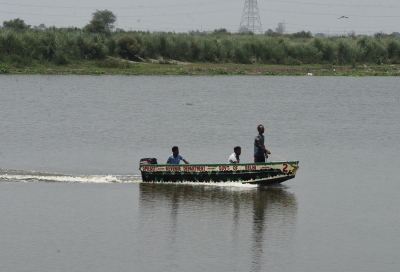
21,46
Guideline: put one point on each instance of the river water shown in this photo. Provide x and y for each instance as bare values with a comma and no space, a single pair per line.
71,198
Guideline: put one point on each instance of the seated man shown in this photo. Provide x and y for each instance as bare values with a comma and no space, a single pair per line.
234,158
175,157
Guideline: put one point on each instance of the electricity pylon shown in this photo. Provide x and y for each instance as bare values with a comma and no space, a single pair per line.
251,18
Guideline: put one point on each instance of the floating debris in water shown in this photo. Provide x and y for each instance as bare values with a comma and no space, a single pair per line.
189,104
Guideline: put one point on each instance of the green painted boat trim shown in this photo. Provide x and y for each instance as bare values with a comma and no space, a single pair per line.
255,173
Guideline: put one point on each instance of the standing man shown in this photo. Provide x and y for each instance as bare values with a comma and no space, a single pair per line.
175,157
260,152
234,158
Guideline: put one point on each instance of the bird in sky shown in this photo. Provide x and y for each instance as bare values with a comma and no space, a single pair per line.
343,17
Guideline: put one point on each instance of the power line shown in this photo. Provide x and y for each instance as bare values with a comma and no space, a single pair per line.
169,14
127,7
127,16
334,5
293,28
52,15
35,14
332,14
193,13
196,4
356,27
177,14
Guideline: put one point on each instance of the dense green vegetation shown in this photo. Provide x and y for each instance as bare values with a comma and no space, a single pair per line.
27,48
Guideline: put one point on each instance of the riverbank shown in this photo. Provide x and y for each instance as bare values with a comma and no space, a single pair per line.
116,66
121,67
76,51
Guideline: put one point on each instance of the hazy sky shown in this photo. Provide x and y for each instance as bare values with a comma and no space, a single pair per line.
364,16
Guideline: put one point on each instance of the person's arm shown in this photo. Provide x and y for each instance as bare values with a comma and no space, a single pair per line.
234,159
185,161
266,151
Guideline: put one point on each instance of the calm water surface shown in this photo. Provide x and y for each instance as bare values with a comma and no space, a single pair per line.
71,197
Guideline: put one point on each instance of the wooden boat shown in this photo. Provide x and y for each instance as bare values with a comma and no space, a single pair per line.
251,173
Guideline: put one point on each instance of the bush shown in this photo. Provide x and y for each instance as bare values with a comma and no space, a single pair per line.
97,26
111,46
128,47
47,45
20,62
291,61
4,70
242,55
302,34
150,47
92,47
10,43
345,52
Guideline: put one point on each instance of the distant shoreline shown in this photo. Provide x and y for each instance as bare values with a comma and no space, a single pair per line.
202,68
81,52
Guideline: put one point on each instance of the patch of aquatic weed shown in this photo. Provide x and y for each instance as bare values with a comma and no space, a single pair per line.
4,70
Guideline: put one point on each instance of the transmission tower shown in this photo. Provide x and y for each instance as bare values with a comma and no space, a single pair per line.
251,17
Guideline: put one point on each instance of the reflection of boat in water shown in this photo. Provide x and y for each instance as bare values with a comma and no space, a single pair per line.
214,193
253,173
242,218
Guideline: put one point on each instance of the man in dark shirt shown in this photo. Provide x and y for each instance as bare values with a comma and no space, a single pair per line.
260,152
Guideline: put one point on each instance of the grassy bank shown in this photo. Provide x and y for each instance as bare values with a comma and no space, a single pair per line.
148,68
73,51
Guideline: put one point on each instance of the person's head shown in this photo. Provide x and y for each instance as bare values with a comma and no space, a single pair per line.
175,150
260,129
237,150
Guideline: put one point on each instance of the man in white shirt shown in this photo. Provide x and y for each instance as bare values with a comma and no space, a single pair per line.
234,158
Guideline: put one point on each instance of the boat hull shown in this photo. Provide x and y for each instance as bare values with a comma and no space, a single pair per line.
253,173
